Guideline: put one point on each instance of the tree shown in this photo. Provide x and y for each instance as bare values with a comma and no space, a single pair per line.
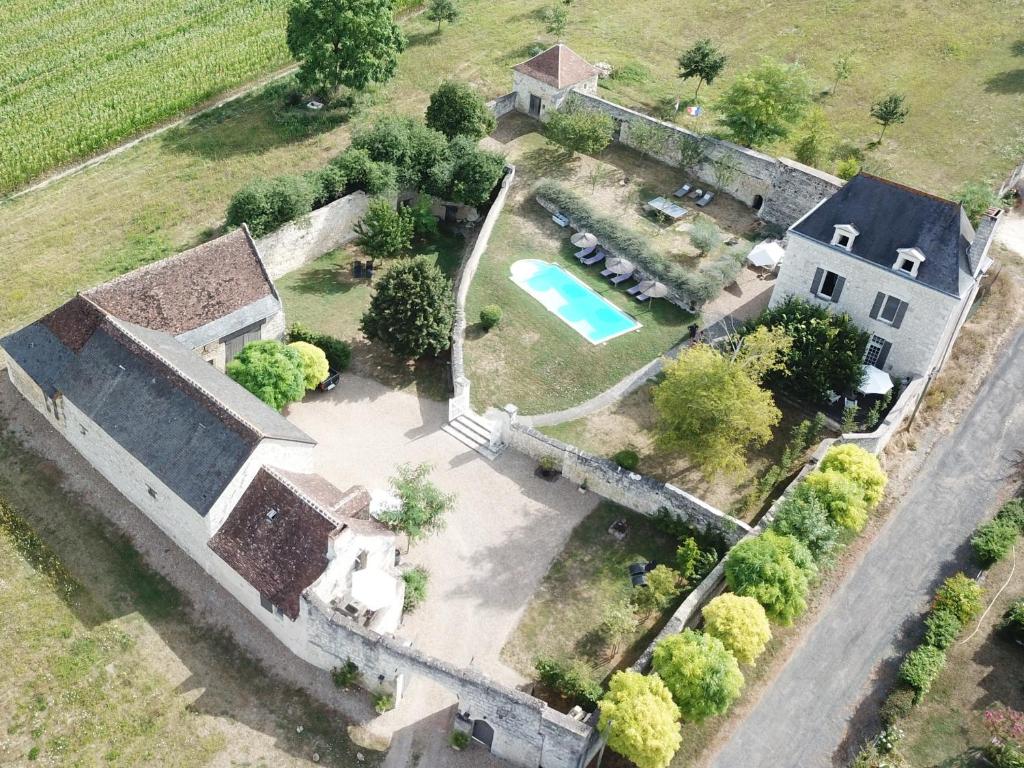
618,624
639,719
762,568
725,170
815,139
271,371
704,236
827,351
711,410
702,61
455,109
889,111
691,152
313,361
859,465
383,231
412,309
841,496
471,175
363,172
842,68
662,587
422,505
763,103
579,130
994,540
349,43
802,516
961,596
761,352
556,19
266,204
702,676
693,562
442,10
976,197
740,623
413,148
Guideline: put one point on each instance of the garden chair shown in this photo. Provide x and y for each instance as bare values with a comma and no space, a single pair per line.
642,298
707,198
582,253
683,191
621,278
633,290
599,256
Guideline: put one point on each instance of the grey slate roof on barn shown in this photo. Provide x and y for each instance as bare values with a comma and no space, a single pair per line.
890,216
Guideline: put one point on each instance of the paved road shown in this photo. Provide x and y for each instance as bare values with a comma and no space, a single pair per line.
801,720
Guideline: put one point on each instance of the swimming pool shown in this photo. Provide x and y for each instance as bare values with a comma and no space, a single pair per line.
593,317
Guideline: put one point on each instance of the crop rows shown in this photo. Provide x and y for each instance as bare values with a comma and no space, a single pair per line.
78,75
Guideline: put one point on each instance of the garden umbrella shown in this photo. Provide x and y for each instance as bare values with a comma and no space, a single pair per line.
876,381
583,240
619,266
766,255
374,588
653,288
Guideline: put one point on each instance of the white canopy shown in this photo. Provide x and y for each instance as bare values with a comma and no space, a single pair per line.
374,588
767,254
876,381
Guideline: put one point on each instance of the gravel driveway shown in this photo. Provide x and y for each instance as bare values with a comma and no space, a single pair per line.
804,715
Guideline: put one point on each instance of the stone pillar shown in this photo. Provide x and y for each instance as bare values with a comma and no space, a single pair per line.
509,418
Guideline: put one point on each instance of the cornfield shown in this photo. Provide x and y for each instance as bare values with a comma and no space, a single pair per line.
78,75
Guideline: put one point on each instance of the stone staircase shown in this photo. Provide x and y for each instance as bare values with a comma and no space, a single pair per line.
472,431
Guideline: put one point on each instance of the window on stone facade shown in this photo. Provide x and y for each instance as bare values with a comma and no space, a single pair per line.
876,351
889,309
828,285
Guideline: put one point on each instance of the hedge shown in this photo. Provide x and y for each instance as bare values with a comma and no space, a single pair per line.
338,352
992,541
699,286
921,667
571,679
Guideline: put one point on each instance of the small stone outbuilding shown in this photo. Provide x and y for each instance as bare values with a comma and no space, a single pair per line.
545,81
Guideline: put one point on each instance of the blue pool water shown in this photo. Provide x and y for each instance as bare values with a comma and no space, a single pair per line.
595,318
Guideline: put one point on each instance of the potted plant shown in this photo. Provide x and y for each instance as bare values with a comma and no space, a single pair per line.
548,466
459,740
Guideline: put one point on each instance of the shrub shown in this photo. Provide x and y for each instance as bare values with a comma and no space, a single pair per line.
346,675
842,498
577,129
415,587
992,541
921,667
662,588
548,464
338,352
701,674
1012,623
704,235
362,172
628,459
471,175
265,205
455,109
412,309
693,562
459,739
961,596
271,371
941,628
898,705
1014,512
383,702
740,623
329,184
848,168
640,719
618,623
570,679
802,516
762,568
313,361
490,316
859,465
384,231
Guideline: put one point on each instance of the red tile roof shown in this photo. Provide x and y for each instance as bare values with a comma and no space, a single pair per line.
558,66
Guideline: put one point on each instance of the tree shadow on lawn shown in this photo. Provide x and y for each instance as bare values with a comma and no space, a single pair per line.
331,280
549,161
428,37
1006,82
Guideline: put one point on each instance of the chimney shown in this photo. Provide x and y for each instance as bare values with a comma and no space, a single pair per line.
983,235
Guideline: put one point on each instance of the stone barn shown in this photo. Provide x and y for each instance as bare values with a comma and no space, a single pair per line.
545,81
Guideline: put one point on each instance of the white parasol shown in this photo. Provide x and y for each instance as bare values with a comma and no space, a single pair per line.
374,588
876,381
619,266
766,254
583,240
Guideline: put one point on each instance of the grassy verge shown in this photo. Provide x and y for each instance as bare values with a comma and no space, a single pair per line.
588,576
102,665
324,295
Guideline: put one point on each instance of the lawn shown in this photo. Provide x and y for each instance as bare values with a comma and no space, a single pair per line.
325,296
631,423
102,665
588,576
959,64
981,671
79,76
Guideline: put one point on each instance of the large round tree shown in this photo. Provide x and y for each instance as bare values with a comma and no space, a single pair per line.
639,719
412,309
344,42
455,109
701,674
271,371
774,570
740,623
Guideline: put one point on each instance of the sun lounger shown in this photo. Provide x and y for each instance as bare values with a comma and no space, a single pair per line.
643,297
621,278
633,290
606,273
599,256
682,191
582,253
708,197
560,219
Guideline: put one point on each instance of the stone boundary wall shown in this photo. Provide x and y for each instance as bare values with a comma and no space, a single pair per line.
321,231
898,415
781,189
503,104
605,478
459,402
526,731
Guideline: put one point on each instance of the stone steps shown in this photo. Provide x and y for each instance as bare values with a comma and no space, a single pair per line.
473,432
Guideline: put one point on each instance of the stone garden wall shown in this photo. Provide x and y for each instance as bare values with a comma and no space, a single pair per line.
503,104
310,237
897,417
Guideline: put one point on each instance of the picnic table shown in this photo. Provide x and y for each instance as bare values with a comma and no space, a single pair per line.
666,207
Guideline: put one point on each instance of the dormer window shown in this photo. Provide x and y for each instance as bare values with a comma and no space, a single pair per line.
908,260
844,236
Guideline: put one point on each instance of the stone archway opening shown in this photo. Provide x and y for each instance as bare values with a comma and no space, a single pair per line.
483,732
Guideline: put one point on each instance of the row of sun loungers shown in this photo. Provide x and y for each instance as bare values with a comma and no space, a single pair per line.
698,194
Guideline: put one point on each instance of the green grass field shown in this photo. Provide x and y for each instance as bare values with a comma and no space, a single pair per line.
959,63
79,76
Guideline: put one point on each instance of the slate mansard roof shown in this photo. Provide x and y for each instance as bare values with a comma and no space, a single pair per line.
890,216
558,66
188,423
282,554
